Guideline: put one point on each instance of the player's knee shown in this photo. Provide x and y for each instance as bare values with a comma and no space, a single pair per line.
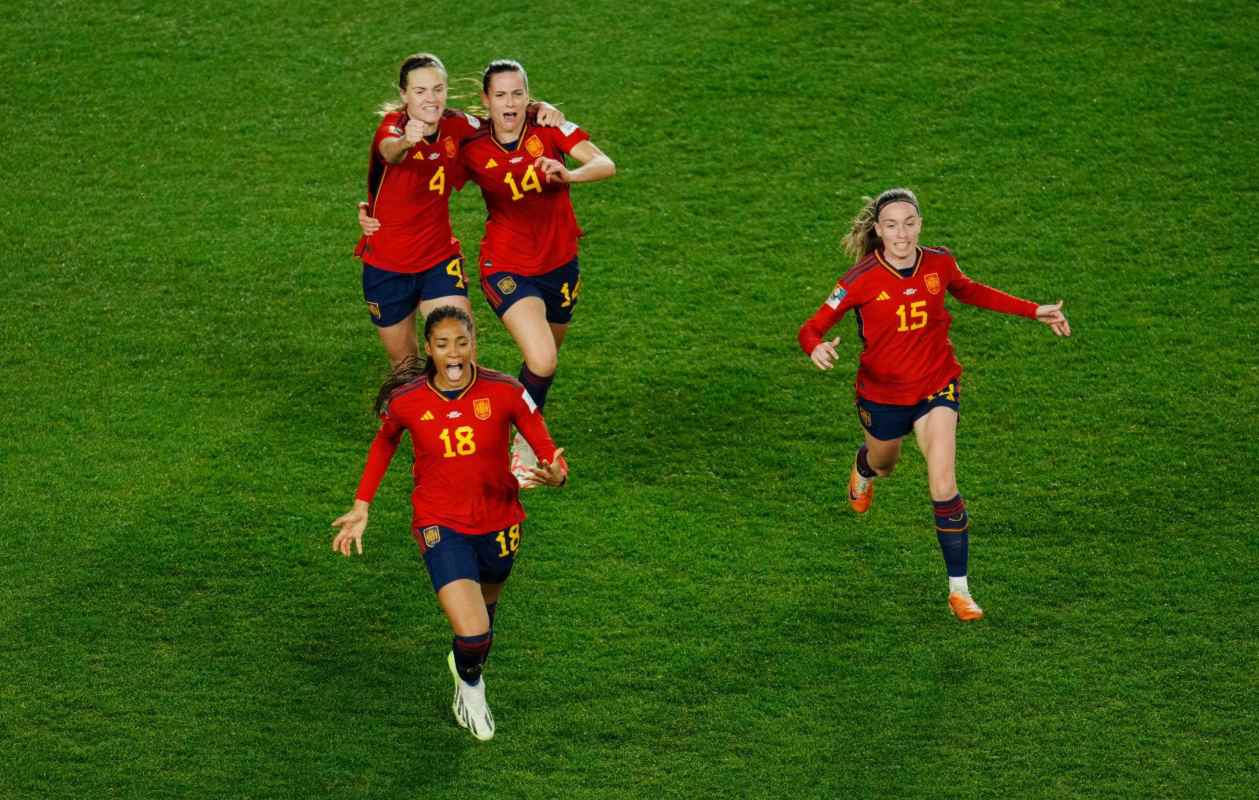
542,364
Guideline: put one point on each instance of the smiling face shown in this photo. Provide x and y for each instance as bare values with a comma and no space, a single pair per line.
506,98
425,95
449,349
898,226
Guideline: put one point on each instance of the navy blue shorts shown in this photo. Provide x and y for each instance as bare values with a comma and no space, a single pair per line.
392,296
558,289
886,421
451,555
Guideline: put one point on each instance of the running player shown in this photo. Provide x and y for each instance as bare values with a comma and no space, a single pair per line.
528,261
908,377
466,508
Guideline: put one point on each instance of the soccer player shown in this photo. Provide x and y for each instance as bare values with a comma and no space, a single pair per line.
908,377
411,259
466,506
528,259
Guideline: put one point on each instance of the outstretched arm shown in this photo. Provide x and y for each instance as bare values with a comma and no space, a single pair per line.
351,524
1052,316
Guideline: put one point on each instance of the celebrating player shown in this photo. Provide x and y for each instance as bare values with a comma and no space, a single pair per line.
529,269
528,260
466,506
411,259
908,375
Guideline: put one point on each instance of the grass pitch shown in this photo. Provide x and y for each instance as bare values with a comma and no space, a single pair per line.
187,369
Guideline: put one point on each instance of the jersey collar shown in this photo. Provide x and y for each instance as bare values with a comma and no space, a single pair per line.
519,139
917,263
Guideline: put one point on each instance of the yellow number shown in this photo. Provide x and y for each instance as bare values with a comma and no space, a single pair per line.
529,182
508,541
455,270
463,444
570,297
917,314
438,182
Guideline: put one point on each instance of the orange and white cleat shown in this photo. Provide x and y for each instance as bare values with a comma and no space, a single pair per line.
860,491
964,607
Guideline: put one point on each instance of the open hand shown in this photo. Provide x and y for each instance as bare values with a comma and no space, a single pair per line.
824,354
1052,316
352,524
552,473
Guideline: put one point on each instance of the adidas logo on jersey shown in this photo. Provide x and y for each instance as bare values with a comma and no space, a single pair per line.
428,416
491,164
883,296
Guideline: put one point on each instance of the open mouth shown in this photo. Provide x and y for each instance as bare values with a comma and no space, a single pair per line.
454,371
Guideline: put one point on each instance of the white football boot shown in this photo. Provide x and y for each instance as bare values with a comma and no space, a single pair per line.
522,459
469,706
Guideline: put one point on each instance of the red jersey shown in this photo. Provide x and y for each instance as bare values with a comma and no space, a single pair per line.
531,228
412,198
903,323
463,477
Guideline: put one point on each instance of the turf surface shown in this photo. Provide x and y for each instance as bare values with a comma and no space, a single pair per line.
187,369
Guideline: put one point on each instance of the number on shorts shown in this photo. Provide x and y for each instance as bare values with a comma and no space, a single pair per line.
508,541
455,270
570,298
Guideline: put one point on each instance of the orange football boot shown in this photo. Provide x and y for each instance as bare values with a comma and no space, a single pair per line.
964,607
860,491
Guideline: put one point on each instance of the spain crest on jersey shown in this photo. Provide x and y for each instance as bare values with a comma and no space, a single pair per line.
432,536
932,280
507,284
450,147
533,146
481,407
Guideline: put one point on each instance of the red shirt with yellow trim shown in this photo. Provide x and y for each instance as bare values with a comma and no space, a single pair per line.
531,227
904,324
412,198
463,477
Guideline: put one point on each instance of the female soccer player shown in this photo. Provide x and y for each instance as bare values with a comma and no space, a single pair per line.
466,506
908,375
529,269
411,259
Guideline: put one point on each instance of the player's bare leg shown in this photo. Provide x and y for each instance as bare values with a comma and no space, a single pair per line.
936,432
464,605
539,342
877,458
459,301
400,341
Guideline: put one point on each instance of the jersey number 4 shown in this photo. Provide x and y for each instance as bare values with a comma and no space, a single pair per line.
917,316
462,444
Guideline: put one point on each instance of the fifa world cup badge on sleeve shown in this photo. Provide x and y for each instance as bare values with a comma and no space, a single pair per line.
432,536
933,282
837,296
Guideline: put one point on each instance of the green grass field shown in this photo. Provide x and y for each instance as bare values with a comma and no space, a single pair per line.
187,370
